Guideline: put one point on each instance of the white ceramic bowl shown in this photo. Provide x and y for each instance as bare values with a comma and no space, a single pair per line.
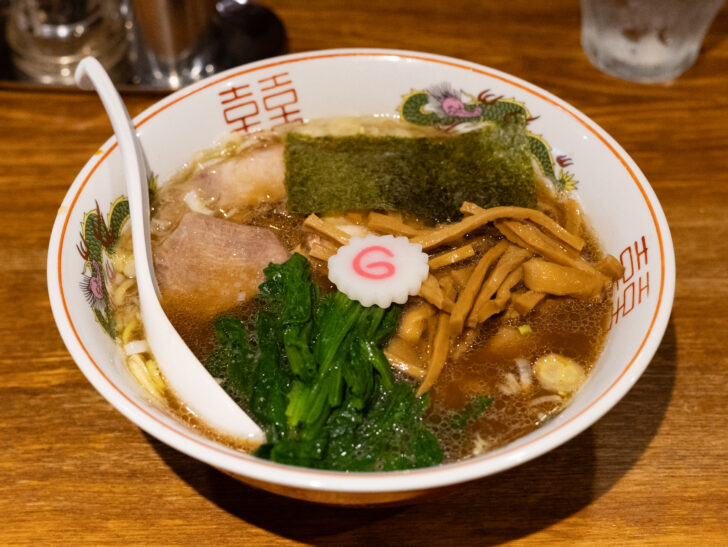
617,198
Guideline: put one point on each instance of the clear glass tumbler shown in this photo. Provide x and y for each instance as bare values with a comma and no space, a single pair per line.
48,38
645,41
178,42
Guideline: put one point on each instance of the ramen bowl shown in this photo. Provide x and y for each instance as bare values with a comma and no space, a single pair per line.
582,158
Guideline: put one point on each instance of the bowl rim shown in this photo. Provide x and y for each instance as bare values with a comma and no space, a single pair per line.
365,482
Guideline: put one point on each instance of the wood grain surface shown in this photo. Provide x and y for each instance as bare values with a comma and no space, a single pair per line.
653,471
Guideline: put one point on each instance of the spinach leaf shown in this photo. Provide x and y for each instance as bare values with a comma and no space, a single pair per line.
233,360
388,436
315,378
272,380
472,410
287,290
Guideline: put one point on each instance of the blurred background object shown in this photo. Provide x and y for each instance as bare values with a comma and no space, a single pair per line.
176,41
143,44
249,31
643,40
47,38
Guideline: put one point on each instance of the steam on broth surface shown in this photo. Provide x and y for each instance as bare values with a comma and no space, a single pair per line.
513,355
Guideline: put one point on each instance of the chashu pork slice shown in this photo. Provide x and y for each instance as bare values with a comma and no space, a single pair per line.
209,265
252,177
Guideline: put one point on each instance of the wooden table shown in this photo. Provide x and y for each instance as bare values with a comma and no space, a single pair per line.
653,471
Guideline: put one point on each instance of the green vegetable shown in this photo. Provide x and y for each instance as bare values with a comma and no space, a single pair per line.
473,409
272,379
233,357
315,378
427,176
388,436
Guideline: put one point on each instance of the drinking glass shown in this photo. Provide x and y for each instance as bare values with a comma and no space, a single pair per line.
645,41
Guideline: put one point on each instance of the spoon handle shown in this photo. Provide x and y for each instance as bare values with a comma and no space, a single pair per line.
90,75
184,373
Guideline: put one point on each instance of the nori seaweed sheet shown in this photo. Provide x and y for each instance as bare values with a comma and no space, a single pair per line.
429,177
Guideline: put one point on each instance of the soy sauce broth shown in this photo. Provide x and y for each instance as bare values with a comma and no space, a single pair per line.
567,326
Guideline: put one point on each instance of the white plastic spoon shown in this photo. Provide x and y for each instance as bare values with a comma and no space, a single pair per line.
185,374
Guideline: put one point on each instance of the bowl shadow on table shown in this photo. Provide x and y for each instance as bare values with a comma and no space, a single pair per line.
489,511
